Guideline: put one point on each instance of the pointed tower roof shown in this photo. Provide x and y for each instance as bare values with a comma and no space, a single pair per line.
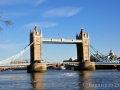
35,28
82,28
40,31
82,31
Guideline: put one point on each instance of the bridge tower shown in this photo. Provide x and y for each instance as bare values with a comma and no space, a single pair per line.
83,51
36,52
36,48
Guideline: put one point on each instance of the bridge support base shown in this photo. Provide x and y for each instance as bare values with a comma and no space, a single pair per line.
85,66
37,67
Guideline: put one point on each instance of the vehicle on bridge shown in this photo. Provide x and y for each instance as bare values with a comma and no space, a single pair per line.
38,61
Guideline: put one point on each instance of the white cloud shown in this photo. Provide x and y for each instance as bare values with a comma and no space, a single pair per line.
6,41
26,12
41,24
39,2
14,14
18,14
8,50
62,12
9,46
11,2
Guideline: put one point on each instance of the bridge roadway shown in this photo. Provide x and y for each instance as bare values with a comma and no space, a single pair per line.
10,65
77,63
59,63
61,41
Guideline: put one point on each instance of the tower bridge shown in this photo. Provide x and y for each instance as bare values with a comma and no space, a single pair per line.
82,42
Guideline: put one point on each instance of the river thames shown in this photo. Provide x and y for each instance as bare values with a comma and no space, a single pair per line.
60,80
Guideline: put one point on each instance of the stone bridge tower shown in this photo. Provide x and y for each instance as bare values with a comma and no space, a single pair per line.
83,52
37,64
36,48
83,49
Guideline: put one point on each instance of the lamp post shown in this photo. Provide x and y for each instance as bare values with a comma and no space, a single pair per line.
57,36
46,59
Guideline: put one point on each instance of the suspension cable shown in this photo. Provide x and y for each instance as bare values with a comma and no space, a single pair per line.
12,58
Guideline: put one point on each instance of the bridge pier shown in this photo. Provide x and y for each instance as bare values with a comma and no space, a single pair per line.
85,66
37,67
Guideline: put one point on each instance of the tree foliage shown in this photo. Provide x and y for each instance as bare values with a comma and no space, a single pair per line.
6,22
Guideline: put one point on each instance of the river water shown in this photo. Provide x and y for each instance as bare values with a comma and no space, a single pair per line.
60,80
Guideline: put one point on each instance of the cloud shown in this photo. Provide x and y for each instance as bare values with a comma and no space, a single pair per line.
8,50
9,46
18,14
41,24
10,2
8,14
15,14
13,2
6,41
62,12
39,2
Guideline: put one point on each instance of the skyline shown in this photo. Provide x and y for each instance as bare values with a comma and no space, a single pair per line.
60,19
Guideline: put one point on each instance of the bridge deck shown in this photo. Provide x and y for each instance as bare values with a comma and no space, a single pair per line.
61,41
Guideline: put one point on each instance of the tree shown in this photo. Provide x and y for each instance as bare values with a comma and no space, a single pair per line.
6,22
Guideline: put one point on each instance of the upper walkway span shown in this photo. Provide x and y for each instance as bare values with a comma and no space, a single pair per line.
61,41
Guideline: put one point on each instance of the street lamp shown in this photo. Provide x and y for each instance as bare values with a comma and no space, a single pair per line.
46,59
57,36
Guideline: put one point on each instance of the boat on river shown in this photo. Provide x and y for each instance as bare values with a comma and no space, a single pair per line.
61,68
9,70
118,69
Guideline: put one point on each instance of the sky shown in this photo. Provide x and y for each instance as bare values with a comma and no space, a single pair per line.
60,19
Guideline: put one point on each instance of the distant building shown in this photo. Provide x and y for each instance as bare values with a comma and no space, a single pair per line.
118,58
19,61
96,57
71,60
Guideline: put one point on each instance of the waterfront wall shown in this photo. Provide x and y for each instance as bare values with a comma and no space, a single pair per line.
85,66
107,66
92,66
